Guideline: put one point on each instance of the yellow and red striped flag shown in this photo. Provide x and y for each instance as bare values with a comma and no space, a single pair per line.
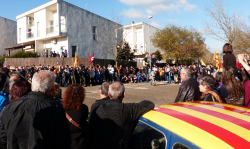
76,59
202,63
216,58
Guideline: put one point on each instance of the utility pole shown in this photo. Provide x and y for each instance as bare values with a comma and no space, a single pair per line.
149,41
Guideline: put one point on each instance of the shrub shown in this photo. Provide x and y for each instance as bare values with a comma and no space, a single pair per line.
19,54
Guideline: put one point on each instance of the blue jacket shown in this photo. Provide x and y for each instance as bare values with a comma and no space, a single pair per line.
3,100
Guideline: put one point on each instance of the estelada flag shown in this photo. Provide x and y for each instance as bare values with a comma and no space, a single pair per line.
202,63
91,58
216,58
76,59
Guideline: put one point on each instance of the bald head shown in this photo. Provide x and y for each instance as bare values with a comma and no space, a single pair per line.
116,90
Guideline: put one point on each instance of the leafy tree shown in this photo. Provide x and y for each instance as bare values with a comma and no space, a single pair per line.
179,43
158,55
124,52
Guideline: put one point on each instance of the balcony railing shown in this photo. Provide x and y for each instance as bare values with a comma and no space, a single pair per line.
30,35
52,29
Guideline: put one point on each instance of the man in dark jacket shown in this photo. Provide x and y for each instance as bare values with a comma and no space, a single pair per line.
35,120
189,90
104,96
111,125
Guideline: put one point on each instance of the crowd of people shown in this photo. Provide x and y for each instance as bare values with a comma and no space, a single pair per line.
228,85
34,115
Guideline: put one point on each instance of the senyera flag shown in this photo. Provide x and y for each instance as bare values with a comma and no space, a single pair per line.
91,58
76,59
216,58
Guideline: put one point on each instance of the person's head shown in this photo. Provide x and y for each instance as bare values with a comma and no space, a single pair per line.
56,92
185,73
19,89
206,83
153,55
104,90
146,55
218,76
73,97
227,48
116,90
43,81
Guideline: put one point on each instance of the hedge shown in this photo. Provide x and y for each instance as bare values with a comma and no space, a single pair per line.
19,54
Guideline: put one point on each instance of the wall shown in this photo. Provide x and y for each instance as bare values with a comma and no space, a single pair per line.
61,42
8,34
40,17
147,36
63,62
79,30
21,23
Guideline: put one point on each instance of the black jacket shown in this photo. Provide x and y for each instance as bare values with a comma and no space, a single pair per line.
77,135
189,91
34,121
112,122
208,97
97,104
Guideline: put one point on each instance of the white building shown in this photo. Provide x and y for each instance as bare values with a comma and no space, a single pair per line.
59,24
138,36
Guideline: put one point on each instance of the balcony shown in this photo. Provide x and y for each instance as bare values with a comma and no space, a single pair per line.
30,35
52,29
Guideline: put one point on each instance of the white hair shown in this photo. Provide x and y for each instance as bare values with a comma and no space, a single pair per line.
116,90
43,81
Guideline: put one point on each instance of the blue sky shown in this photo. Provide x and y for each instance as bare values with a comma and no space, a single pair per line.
185,13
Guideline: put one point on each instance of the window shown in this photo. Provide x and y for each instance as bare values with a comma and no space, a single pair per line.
74,50
145,135
180,146
63,23
38,31
94,32
20,34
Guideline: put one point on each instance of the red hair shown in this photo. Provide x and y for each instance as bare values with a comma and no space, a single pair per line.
73,97
19,89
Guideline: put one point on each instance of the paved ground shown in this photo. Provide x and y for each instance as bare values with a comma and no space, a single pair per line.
160,94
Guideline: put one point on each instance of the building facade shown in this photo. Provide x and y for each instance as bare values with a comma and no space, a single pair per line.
59,25
8,34
138,36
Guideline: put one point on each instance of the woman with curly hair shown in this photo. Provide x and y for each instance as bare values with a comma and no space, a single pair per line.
73,99
232,90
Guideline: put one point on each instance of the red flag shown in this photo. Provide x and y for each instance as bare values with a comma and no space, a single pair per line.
91,58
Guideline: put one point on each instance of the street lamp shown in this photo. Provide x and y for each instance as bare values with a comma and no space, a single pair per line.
149,17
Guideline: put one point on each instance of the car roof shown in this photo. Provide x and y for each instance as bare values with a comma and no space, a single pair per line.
206,124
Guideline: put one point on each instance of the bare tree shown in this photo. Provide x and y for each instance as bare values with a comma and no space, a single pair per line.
224,25
110,35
